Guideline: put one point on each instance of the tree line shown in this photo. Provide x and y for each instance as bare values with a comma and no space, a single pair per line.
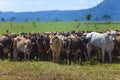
88,17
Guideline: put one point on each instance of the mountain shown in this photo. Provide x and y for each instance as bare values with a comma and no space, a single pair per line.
107,7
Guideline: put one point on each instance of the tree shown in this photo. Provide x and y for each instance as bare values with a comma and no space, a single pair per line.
96,19
56,19
88,17
34,24
12,18
2,19
22,27
38,19
106,17
76,20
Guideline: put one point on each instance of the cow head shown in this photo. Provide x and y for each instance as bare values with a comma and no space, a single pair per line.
28,46
88,37
53,39
112,35
67,43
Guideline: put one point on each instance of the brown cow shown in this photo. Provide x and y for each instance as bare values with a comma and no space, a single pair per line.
78,48
116,50
43,46
21,45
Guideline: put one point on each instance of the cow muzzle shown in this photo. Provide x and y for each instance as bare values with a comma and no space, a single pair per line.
51,43
114,40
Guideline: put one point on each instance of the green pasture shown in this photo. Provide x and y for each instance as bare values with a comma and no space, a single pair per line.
18,27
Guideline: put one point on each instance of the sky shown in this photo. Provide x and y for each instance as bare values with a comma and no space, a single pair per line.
43,5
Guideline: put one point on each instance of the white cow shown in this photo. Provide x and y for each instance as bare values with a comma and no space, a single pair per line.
104,41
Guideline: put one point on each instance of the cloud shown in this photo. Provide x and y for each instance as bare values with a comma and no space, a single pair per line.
41,5
5,3
39,2
88,3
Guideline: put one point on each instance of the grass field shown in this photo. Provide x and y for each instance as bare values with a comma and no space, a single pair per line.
52,71
18,27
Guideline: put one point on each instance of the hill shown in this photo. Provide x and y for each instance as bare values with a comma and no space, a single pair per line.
107,7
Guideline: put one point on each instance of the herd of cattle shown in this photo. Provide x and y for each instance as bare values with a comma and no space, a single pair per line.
59,47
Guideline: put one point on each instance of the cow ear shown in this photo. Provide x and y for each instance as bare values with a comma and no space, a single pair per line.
18,39
109,34
1,44
118,33
56,37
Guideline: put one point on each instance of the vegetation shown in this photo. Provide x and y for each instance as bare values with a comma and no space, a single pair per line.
18,27
51,71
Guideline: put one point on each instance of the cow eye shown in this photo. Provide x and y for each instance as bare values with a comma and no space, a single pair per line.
24,43
118,34
56,37
109,34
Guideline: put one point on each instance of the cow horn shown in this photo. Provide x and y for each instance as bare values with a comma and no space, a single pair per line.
1,44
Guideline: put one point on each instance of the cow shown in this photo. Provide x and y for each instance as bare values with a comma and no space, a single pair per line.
11,36
78,48
116,50
103,41
56,45
67,49
43,46
5,46
34,51
118,41
21,45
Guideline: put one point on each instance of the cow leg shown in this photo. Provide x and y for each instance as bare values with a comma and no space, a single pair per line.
15,54
103,55
24,56
48,52
58,59
70,55
53,56
82,56
110,57
11,55
1,54
66,57
28,56
89,49
75,57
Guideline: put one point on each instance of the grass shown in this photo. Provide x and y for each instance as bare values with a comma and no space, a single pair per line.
51,71
18,27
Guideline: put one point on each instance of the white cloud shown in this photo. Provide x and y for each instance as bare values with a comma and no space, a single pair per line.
5,3
39,2
40,5
88,3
